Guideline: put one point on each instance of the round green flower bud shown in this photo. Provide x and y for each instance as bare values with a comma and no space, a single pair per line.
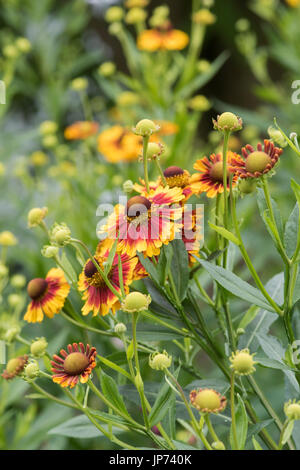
218,445
154,150
247,185
3,271
160,361
114,14
79,84
23,45
292,410
14,300
135,16
49,251
203,66
107,69
48,127
242,362
115,28
146,127
240,331
136,302
39,347
199,103
207,400
11,334
60,234
50,141
36,215
128,186
18,281
257,161
127,98
10,51
120,328
276,136
7,238
228,122
32,370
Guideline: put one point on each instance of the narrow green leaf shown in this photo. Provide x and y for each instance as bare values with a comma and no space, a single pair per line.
180,268
241,425
235,285
111,392
256,445
114,366
225,233
287,432
291,231
249,316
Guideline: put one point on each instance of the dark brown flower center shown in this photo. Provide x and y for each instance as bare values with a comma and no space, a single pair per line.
216,172
37,287
173,171
76,363
90,268
137,205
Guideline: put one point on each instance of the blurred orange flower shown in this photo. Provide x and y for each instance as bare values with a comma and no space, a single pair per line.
81,130
156,39
118,144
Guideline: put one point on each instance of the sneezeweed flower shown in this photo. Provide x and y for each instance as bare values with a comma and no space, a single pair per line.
36,216
81,130
60,234
7,238
192,232
257,163
48,295
14,367
204,17
293,3
79,84
228,122
207,400
163,37
145,223
160,361
32,370
114,14
74,366
118,144
292,409
166,127
39,158
48,127
39,347
242,362
98,298
107,69
136,302
209,178
176,177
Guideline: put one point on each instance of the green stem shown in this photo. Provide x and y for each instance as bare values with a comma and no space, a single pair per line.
211,428
84,326
145,161
233,421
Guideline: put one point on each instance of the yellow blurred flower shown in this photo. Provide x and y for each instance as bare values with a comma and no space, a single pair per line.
79,84
293,3
156,39
48,127
127,98
199,103
39,158
23,45
136,3
7,238
2,169
204,17
81,130
118,144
